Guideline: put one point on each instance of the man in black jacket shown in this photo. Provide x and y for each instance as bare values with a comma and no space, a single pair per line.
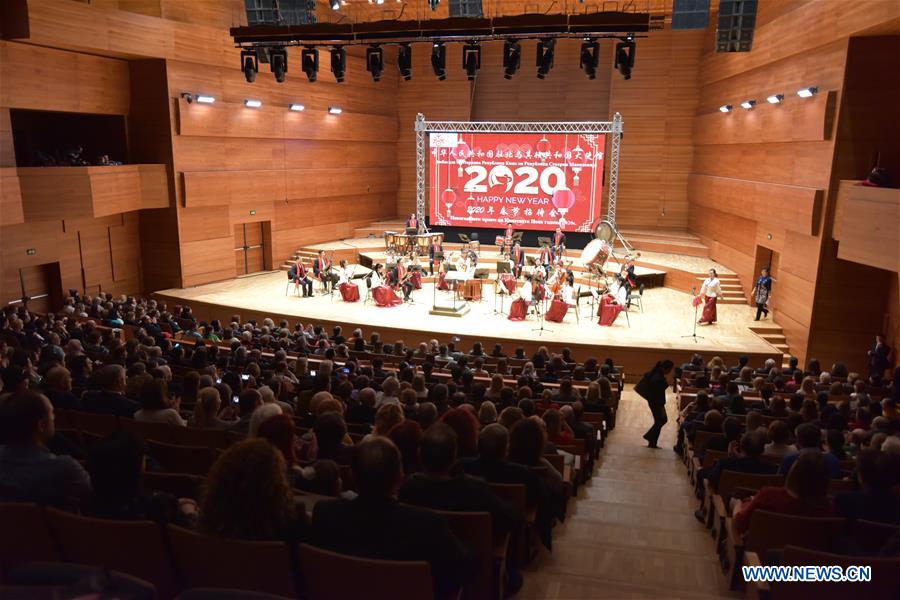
440,489
110,399
753,444
375,525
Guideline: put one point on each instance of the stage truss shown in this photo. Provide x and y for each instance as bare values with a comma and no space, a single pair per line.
613,127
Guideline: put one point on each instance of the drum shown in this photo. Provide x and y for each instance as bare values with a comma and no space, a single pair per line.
423,241
400,242
596,252
389,239
500,240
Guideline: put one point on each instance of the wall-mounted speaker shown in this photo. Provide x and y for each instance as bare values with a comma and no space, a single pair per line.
690,14
734,31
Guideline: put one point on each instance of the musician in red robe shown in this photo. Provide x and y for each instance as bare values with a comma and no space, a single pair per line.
400,278
559,244
412,221
507,238
609,310
546,257
382,293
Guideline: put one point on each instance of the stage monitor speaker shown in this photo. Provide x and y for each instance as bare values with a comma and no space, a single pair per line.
690,14
466,8
737,20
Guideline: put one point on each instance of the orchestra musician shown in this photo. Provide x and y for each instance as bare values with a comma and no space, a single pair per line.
517,256
412,221
299,274
322,270
559,244
349,290
507,238
382,293
401,277
376,277
546,258
434,248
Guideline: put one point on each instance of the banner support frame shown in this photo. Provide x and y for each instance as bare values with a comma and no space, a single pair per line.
614,127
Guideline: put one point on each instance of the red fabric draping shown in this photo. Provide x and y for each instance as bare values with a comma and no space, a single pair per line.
385,296
557,311
518,310
349,292
709,310
609,311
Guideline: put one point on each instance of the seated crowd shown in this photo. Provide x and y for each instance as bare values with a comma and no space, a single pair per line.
349,444
817,444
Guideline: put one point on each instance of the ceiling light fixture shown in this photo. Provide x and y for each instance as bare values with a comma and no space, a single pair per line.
807,92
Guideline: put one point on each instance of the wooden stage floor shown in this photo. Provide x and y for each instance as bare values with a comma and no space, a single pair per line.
657,332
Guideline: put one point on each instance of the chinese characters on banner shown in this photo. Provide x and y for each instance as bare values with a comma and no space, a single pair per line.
535,181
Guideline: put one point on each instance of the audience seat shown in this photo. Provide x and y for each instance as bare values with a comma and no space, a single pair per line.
195,460
885,581
25,536
180,485
325,577
207,561
773,531
96,423
132,547
55,580
473,529
870,537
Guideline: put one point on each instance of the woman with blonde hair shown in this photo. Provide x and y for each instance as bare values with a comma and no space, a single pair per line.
808,388
247,495
206,411
386,417
487,413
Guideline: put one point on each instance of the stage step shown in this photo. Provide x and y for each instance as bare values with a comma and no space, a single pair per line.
678,241
378,228
774,334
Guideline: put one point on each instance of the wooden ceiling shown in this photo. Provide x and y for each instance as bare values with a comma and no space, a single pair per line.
363,10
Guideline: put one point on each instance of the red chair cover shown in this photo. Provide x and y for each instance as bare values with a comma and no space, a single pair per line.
349,292
518,310
385,296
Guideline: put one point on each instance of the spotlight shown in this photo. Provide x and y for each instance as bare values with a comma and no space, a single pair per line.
748,104
188,97
338,63
725,108
404,61
544,61
375,62
512,58
433,4
807,92
625,57
309,58
775,98
590,58
205,99
252,103
297,107
335,4
439,60
335,110
471,59
278,63
249,64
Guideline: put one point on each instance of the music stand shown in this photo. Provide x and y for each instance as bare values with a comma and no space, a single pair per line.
696,306
544,241
503,268
517,237
463,238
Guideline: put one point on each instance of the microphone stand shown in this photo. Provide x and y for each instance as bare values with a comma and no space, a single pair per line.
694,335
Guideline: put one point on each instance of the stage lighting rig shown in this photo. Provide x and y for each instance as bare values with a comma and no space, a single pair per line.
433,4
375,62
625,57
249,64
309,58
471,59
544,60
335,4
590,58
512,58
404,61
278,62
439,60
338,63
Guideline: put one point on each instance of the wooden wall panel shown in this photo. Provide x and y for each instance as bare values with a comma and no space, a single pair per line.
47,79
799,163
7,149
793,207
792,120
868,227
207,260
11,211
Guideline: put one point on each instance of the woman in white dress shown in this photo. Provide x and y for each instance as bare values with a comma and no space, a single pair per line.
710,291
344,273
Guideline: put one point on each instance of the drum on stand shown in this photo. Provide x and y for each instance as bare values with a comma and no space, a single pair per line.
400,242
596,253
422,242
389,240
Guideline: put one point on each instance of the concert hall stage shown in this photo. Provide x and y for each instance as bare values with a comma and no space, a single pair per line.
662,330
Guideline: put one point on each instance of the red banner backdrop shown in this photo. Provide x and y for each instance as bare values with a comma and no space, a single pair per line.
537,181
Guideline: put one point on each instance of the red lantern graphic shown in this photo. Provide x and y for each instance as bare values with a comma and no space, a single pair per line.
563,200
543,147
448,199
461,154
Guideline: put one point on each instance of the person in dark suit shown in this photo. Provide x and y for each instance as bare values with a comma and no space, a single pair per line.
753,444
376,525
299,274
322,270
492,465
58,388
559,244
879,357
517,256
653,389
110,398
